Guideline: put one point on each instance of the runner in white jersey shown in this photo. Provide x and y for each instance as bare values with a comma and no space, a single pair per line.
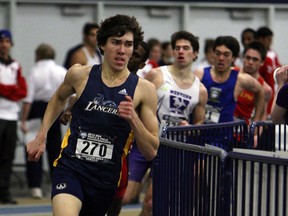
88,53
91,59
180,95
175,104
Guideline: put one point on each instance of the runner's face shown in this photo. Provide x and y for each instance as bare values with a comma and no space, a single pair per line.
5,46
247,38
136,60
91,38
118,51
223,59
183,53
155,53
168,52
251,61
266,41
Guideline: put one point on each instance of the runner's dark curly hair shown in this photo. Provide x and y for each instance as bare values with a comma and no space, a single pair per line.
119,25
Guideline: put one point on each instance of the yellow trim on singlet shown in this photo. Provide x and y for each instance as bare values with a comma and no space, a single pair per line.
126,150
63,145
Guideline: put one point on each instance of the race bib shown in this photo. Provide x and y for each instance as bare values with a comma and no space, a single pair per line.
212,114
94,148
171,121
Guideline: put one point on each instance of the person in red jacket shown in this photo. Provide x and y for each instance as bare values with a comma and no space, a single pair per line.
265,36
12,89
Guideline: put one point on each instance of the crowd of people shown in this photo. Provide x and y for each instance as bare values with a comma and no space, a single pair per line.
116,92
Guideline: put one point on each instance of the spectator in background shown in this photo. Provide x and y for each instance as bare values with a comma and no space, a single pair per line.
43,80
208,59
265,36
86,53
154,46
166,54
12,89
247,36
254,56
280,109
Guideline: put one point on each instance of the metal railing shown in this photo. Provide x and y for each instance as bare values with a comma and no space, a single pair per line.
227,177
186,179
226,135
259,183
270,137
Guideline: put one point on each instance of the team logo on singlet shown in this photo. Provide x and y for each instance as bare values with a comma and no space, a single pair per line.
178,102
215,94
99,104
123,92
83,135
61,186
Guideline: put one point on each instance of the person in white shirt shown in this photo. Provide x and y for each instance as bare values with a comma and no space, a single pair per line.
86,53
43,80
12,89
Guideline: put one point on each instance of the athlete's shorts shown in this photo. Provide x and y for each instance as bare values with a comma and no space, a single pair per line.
120,191
138,165
95,200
